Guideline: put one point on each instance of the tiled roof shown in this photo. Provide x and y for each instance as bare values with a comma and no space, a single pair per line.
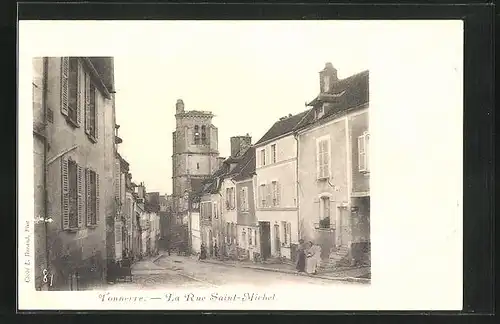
346,94
246,168
282,127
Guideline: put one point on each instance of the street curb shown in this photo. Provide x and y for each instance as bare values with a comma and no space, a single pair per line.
349,279
157,258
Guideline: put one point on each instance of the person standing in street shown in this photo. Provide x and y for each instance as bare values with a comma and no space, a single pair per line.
301,257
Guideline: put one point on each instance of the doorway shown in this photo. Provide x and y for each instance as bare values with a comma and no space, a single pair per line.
265,239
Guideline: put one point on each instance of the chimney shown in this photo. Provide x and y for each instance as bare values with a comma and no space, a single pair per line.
327,77
240,144
179,106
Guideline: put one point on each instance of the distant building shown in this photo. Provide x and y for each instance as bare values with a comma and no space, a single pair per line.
195,154
276,188
217,198
74,155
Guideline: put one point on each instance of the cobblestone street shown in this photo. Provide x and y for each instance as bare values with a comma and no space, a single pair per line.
187,272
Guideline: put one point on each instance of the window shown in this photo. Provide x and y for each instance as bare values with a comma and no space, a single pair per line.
70,94
324,221
363,153
206,210
250,236
203,134
275,193
230,199
286,232
92,186
323,158
262,157
72,194
263,195
197,166
273,153
196,134
91,111
244,199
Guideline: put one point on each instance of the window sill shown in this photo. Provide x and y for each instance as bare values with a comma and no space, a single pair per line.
71,122
72,230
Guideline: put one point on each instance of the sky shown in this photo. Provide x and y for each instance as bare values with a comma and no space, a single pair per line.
249,74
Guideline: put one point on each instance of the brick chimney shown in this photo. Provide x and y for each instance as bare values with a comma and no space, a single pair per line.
327,77
240,144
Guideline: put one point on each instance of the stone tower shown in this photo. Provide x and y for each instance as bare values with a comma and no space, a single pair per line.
195,152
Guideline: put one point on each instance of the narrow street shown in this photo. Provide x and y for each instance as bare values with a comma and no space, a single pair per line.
186,272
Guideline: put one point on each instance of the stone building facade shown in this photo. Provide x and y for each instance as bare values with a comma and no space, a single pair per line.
74,117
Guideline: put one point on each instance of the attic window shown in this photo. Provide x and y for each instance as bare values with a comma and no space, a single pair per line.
320,112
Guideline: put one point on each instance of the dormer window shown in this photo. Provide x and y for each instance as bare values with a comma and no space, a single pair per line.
320,111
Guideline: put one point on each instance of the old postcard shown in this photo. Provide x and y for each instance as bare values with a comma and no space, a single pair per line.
240,165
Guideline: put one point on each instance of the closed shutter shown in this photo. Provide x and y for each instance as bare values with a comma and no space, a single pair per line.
268,195
242,199
89,197
289,232
65,87
80,190
326,158
361,153
246,199
333,214
96,111
117,180
87,103
65,193
319,159
278,194
97,210
367,151
80,87
317,211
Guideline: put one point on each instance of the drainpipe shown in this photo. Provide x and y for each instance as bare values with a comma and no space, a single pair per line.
296,136
45,164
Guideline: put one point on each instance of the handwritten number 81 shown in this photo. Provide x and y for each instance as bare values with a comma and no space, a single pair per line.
46,276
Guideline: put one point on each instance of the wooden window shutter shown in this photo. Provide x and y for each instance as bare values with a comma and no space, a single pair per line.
80,87
269,195
367,151
64,86
65,193
117,180
246,199
327,158
87,103
278,194
97,210
333,213
361,153
289,232
80,195
318,159
88,195
96,116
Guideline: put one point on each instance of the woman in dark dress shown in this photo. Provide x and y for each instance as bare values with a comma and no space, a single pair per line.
301,257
